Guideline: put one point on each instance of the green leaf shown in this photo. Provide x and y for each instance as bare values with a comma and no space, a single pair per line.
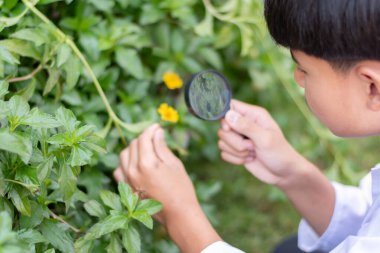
67,119
64,53
149,205
94,208
151,14
128,197
19,197
16,143
95,143
131,240
57,236
83,132
21,48
31,236
67,183
110,199
35,35
79,155
65,139
19,107
103,5
83,246
4,110
28,176
106,226
129,60
4,85
212,57
38,214
7,56
177,42
44,168
28,91
38,119
144,217
5,225
52,81
115,245
73,70
50,250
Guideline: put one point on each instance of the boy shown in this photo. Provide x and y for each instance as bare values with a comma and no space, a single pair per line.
336,45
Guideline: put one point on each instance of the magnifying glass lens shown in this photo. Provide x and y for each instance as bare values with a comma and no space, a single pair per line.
208,95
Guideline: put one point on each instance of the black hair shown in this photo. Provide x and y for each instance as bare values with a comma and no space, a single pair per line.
341,32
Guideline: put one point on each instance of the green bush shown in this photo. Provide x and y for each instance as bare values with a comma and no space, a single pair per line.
79,79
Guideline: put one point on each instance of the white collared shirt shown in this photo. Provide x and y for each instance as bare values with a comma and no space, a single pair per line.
354,226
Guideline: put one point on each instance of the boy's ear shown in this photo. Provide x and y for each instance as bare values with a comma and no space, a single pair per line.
369,73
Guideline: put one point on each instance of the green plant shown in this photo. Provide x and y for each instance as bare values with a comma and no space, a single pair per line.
106,60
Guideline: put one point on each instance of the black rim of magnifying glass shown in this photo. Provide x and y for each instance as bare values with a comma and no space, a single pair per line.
187,95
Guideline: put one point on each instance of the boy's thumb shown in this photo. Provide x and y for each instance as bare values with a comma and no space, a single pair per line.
162,150
242,125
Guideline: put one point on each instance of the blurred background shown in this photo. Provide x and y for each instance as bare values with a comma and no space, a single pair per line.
132,44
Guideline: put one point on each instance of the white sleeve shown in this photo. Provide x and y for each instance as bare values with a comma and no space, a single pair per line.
221,247
351,205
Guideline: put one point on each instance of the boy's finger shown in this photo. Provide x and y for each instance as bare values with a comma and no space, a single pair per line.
133,155
236,141
161,148
243,125
119,175
124,159
227,148
147,156
232,159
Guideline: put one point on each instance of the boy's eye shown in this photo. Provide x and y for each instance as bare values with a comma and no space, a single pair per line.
301,70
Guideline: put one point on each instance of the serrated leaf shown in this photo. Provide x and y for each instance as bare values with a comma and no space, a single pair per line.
38,119
131,240
16,143
95,143
18,106
38,214
31,236
57,236
67,183
115,245
52,81
83,132
28,176
5,224
73,70
4,110
106,226
21,48
110,199
64,53
83,246
4,85
61,139
149,205
7,56
128,197
79,155
67,119
144,217
34,35
129,60
44,168
28,91
94,208
19,198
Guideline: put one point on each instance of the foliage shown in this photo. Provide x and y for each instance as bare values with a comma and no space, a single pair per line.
113,63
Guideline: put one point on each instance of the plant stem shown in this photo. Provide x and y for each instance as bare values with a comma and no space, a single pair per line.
26,77
56,217
65,39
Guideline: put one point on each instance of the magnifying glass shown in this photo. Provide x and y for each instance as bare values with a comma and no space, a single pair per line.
208,95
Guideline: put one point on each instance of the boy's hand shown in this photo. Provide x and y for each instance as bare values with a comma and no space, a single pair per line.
250,137
153,171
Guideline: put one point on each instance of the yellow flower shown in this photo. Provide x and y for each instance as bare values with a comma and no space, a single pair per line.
172,80
168,113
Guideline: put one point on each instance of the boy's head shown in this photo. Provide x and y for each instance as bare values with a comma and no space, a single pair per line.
336,45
